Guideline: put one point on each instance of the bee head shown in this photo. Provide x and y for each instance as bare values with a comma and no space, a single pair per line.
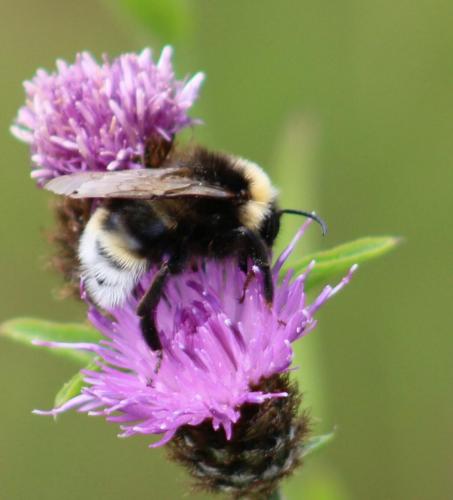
270,226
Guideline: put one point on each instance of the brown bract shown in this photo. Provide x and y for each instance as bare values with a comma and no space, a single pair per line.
71,217
265,447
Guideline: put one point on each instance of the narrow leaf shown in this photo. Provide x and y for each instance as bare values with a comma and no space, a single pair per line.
316,442
26,330
338,260
74,385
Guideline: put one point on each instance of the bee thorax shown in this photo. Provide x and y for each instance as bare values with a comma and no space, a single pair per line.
262,194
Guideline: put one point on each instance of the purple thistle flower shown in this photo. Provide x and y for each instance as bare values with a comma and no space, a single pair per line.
216,348
88,116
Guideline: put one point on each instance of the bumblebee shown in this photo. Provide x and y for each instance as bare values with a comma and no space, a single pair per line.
198,204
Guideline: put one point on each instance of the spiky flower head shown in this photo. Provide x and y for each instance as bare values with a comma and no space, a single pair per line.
223,362
120,114
91,116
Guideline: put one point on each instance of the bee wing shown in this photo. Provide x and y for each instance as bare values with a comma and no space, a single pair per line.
170,182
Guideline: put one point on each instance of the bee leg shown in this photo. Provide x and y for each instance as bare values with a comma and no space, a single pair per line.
248,279
243,263
147,308
252,245
243,266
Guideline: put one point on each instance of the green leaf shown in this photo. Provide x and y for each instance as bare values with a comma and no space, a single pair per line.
275,495
169,19
74,385
316,442
338,260
25,330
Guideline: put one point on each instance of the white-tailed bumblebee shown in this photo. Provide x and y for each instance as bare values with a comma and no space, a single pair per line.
196,204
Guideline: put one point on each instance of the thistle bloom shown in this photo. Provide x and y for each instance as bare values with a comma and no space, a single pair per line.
90,116
222,395
217,350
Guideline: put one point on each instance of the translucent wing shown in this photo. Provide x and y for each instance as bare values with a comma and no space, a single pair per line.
171,182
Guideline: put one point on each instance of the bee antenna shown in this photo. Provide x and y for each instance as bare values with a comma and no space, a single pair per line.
310,215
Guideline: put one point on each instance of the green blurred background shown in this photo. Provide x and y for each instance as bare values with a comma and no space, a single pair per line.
359,94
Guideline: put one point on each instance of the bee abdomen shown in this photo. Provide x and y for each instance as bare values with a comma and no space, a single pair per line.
109,270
